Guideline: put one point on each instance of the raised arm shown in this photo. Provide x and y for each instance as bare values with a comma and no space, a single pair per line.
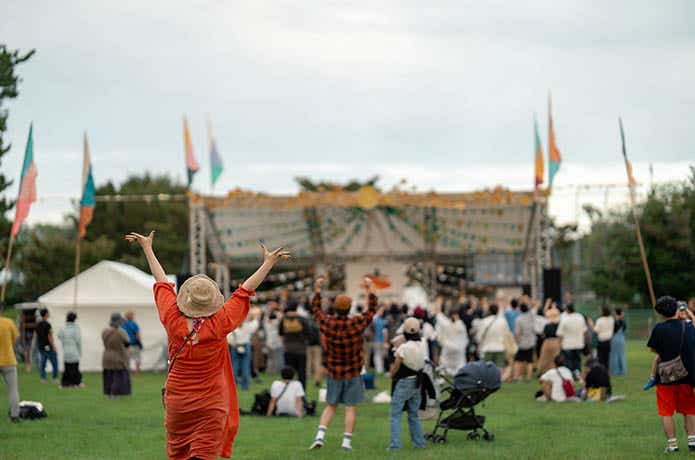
316,310
269,260
145,243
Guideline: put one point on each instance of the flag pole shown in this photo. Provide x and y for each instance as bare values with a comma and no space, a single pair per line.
77,267
640,242
7,273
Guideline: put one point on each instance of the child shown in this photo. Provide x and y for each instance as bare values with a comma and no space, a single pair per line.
672,339
405,372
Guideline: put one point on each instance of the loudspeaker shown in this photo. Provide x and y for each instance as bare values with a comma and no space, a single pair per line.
552,285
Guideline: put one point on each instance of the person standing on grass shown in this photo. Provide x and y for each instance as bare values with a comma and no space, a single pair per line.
46,346
240,350
604,328
8,364
673,341
114,361
618,363
571,330
525,336
344,337
135,349
201,406
406,375
295,334
71,338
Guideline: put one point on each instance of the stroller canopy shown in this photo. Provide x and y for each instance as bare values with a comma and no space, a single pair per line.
478,375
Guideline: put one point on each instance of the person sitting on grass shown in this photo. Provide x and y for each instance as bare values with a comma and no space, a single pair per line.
557,383
201,411
673,341
405,372
597,381
344,340
287,395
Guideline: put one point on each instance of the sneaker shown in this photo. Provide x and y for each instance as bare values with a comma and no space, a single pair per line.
691,448
317,444
670,449
650,383
14,419
44,381
347,448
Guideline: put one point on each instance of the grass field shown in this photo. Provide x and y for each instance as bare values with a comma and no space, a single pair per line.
82,424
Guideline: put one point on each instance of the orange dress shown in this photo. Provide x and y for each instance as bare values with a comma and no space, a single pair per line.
202,409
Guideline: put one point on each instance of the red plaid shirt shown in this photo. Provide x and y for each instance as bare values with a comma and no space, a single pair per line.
344,338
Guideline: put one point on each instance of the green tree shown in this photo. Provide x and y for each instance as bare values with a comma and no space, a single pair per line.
169,218
667,222
46,259
9,89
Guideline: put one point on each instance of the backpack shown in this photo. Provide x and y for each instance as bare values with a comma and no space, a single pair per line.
30,410
261,403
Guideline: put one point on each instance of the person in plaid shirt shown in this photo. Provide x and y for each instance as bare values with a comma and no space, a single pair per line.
344,350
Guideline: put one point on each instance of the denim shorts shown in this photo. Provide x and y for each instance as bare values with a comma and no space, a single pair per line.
345,391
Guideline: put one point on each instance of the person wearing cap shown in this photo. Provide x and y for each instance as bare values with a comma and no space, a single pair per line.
114,361
344,337
201,406
405,370
673,341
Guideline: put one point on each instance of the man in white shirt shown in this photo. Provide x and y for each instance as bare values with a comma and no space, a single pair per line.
571,329
239,342
551,382
287,395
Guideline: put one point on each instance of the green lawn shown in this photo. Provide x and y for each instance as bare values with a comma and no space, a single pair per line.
82,424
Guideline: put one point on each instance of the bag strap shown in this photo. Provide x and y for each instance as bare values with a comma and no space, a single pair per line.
283,391
482,338
197,324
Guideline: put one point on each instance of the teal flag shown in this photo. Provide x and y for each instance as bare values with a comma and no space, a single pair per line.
216,166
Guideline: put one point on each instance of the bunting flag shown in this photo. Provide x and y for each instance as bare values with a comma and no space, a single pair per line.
554,158
27,186
88,198
192,165
539,155
216,166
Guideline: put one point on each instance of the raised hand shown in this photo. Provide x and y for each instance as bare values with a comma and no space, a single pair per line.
318,284
272,257
367,284
144,241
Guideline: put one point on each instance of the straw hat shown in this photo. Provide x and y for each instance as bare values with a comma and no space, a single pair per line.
199,296
343,303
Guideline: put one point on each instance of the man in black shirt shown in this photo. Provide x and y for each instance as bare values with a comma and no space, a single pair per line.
672,339
46,346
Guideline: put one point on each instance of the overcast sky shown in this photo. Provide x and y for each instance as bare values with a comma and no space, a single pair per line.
440,93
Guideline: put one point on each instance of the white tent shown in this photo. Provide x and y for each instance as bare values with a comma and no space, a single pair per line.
105,288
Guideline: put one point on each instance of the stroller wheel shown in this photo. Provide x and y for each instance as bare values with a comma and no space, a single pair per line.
440,440
474,436
428,437
489,437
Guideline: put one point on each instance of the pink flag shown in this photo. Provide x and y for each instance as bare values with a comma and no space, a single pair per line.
27,186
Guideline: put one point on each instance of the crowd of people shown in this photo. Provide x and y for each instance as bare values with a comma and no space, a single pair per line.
332,341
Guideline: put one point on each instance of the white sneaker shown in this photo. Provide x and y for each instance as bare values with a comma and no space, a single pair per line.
317,444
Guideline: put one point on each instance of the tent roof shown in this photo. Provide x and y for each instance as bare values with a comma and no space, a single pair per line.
106,284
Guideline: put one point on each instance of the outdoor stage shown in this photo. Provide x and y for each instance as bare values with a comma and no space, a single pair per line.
446,241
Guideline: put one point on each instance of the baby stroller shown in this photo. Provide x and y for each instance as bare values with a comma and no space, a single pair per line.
472,384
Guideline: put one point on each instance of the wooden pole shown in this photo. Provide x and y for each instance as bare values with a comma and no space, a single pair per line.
7,274
77,270
640,242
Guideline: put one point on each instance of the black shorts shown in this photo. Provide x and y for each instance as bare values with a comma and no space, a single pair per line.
524,356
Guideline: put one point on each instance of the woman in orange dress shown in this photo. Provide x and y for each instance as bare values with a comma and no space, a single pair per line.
201,408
